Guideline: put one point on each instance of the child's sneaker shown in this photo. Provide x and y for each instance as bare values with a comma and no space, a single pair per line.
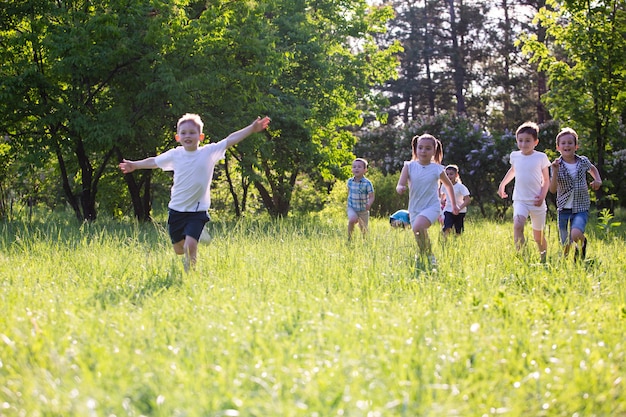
432,260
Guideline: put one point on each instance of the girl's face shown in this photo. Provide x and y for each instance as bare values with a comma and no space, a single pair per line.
425,150
452,175
189,135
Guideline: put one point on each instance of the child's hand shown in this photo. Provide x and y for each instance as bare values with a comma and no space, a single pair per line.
538,201
260,125
400,188
455,210
127,166
596,184
502,192
555,164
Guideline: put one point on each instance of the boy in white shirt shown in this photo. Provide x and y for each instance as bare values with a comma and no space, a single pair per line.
193,167
463,199
532,179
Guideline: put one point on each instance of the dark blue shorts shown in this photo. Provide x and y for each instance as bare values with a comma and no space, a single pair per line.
451,220
181,224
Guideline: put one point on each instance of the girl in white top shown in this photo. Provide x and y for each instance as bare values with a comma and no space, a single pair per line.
422,175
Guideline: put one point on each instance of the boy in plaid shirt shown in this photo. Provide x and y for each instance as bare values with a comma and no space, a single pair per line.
360,197
569,182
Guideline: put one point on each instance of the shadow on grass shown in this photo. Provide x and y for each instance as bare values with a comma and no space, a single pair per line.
136,291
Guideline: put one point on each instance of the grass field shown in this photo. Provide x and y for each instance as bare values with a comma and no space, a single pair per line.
286,318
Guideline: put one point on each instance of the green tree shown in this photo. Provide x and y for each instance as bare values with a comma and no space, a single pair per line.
585,59
315,63
78,78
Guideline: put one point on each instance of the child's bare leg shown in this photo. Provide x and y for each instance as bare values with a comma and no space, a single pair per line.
518,231
353,219
577,236
542,243
351,227
566,249
189,249
420,229
363,223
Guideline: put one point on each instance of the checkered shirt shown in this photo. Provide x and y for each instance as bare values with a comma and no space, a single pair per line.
577,185
358,192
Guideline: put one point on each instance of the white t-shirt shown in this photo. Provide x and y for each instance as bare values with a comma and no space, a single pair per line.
571,168
528,174
193,173
423,184
460,191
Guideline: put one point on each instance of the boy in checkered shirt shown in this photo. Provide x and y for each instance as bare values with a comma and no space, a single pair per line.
569,182
360,197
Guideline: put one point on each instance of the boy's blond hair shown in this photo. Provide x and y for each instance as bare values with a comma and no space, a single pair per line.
567,131
190,117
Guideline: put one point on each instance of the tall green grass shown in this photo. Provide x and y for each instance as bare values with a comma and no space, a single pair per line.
288,318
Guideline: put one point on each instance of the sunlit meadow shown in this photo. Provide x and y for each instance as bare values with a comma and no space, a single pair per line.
288,318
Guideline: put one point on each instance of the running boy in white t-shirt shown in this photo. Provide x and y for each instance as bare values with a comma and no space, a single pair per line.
193,167
463,199
532,179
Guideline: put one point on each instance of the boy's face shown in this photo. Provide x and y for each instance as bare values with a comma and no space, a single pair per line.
358,168
567,145
526,143
189,135
396,223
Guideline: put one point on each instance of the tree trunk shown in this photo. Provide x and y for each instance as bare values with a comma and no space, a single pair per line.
457,63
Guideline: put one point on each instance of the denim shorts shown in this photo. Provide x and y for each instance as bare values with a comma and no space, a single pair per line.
573,220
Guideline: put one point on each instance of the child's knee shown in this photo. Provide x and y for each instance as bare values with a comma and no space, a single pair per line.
577,234
190,246
179,248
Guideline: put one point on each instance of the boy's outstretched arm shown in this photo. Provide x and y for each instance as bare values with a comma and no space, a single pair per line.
259,125
129,166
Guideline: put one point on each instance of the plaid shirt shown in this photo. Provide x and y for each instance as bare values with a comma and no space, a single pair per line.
576,186
358,191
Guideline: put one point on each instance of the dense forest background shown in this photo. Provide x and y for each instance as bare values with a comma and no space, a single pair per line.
83,84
